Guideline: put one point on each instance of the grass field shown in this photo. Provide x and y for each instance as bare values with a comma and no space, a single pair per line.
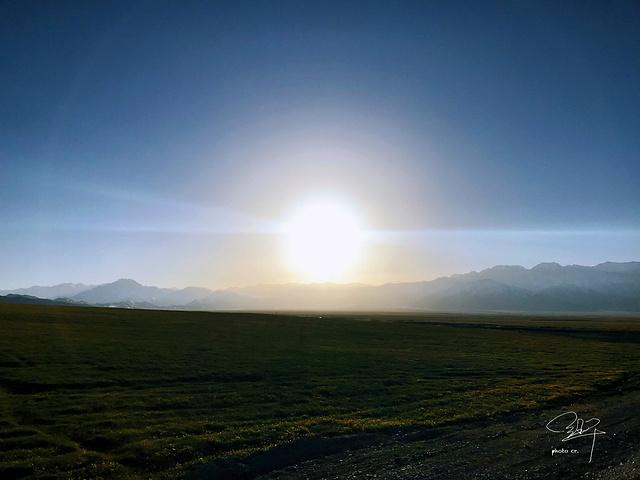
110,393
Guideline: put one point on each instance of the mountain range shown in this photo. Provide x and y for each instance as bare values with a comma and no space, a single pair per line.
546,287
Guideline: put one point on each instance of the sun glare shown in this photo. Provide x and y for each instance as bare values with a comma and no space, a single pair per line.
323,241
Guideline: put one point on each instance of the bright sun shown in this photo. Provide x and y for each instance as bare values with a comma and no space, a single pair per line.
323,241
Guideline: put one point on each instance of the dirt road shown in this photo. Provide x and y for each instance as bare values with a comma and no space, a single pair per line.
509,447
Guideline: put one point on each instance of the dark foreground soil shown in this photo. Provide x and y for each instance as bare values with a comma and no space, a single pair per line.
509,447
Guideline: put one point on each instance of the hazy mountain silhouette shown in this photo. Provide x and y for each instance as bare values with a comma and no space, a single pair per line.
127,290
31,300
547,275
546,287
63,290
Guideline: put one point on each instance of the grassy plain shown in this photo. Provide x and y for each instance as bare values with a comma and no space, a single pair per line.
110,393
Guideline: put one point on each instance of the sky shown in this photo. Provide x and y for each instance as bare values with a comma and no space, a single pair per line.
179,143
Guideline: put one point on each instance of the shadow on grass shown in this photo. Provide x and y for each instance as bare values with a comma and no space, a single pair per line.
315,447
278,457
302,450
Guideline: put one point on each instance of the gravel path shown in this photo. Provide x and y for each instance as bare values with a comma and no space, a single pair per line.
515,447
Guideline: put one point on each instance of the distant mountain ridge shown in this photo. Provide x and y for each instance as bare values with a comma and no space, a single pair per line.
56,291
548,287
31,300
127,290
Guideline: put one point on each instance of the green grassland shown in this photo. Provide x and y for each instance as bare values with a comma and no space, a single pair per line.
110,393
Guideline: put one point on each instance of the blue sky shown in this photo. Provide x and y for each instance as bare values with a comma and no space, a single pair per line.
169,141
